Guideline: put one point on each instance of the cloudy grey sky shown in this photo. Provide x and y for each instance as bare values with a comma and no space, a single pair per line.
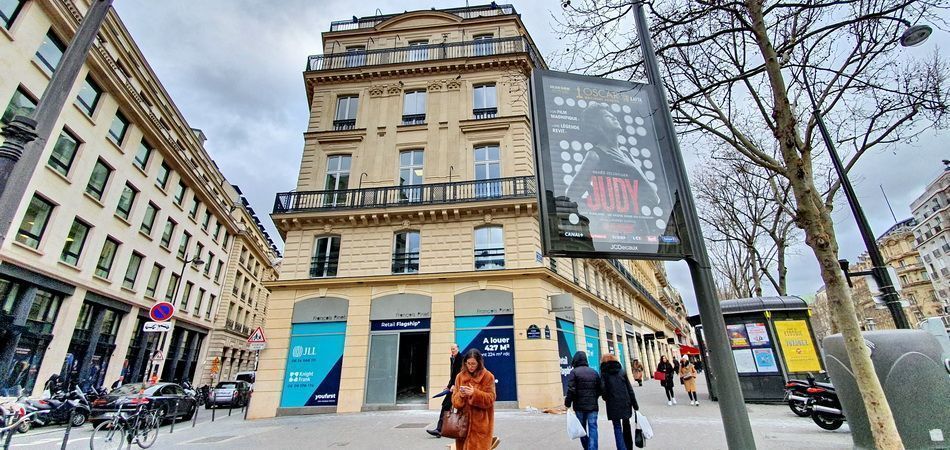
234,68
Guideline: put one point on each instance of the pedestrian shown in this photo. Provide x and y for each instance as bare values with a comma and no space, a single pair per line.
699,365
117,384
474,395
455,366
667,370
583,389
638,371
688,378
620,400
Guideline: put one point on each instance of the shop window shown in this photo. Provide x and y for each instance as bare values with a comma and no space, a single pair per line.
34,222
326,256
64,152
489,248
406,252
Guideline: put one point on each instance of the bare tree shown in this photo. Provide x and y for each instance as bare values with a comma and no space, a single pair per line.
737,68
748,215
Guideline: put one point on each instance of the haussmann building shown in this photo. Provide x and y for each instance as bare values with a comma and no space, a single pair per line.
414,225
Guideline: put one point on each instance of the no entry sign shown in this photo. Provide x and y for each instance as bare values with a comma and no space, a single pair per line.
162,311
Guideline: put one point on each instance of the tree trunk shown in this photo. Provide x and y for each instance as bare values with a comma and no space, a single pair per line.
782,269
814,218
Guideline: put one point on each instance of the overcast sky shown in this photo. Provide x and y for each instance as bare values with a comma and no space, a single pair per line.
234,69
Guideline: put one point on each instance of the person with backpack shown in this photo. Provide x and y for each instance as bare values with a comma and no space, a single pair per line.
583,390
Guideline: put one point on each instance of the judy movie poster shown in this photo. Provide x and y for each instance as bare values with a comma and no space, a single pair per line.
607,181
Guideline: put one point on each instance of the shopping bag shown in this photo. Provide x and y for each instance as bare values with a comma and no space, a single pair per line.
574,428
644,424
659,375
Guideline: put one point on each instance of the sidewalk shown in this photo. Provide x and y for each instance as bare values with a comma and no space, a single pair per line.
676,427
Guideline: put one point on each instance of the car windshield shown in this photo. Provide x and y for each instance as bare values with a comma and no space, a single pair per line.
226,386
130,389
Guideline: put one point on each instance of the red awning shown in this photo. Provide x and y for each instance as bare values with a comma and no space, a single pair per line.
688,350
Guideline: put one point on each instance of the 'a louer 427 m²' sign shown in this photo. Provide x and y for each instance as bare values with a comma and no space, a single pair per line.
607,183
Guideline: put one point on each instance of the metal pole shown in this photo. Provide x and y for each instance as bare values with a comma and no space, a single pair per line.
194,420
69,427
735,417
173,418
25,139
878,268
213,410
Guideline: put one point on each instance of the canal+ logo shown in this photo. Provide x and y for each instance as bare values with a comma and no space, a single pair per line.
300,351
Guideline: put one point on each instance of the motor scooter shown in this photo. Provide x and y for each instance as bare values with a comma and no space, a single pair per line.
59,407
825,406
797,396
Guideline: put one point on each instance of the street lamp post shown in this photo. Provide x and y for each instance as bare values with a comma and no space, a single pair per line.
196,262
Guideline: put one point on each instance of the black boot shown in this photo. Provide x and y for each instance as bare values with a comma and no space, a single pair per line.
437,433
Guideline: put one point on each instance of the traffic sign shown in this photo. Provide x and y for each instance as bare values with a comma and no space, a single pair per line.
215,365
161,311
156,327
257,337
257,345
158,356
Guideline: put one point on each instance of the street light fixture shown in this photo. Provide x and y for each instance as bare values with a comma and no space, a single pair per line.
914,35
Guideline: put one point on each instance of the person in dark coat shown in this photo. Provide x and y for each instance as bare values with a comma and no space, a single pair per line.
621,402
583,389
455,362
667,382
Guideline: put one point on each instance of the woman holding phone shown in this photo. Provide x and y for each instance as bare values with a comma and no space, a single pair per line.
475,396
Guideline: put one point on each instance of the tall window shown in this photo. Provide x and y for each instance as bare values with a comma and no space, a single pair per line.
142,155
164,172
355,56
326,257
9,10
132,271
207,269
119,126
183,245
195,204
218,271
414,108
489,248
338,178
170,291
217,231
207,220
89,96
485,101
406,252
50,52
167,234
126,201
487,171
180,192
186,295
21,104
151,211
484,45
199,249
210,306
201,299
64,152
418,50
97,181
410,174
153,280
346,107
107,257
75,241
34,222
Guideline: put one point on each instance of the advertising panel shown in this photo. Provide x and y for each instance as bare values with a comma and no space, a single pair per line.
314,363
607,182
494,336
566,347
764,360
593,348
758,334
798,349
737,335
745,362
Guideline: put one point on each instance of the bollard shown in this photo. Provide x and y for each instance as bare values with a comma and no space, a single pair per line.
213,410
69,427
194,419
230,408
173,417
6,442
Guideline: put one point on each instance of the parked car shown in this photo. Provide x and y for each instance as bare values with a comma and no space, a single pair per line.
229,393
169,399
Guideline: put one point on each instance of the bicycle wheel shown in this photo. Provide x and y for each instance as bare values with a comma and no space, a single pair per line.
107,436
147,432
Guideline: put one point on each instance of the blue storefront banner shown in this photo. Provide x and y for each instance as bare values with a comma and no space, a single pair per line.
566,347
494,337
622,355
314,363
399,325
593,347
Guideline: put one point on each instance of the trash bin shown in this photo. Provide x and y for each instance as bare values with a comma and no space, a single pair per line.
910,365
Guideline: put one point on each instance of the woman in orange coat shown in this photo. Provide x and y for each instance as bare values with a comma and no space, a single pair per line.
475,395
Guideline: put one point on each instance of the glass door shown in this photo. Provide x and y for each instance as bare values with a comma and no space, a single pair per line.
381,377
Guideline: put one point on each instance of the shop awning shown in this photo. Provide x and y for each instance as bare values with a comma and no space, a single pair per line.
688,350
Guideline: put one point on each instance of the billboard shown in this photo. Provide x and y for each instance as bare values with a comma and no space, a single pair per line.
494,336
607,180
798,349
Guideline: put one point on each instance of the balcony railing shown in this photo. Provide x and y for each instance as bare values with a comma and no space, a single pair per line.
485,113
490,258
344,124
428,52
413,119
425,194
406,262
323,266
465,13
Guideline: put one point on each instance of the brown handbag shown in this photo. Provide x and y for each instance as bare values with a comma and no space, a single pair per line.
455,423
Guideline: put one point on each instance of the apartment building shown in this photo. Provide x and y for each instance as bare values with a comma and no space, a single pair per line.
125,209
414,225
932,212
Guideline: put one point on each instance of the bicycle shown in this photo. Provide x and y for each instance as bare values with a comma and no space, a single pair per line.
141,428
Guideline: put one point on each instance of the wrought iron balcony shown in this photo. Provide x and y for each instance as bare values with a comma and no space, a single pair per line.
406,262
419,53
344,124
393,196
413,119
485,113
465,13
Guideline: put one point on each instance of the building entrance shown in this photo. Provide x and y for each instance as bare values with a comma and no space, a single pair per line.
412,369
398,362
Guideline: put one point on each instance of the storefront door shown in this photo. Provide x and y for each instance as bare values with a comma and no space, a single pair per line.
398,362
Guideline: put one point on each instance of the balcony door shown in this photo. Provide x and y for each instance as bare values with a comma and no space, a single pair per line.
338,179
487,171
410,175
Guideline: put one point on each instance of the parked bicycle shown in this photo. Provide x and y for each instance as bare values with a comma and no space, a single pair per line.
139,427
